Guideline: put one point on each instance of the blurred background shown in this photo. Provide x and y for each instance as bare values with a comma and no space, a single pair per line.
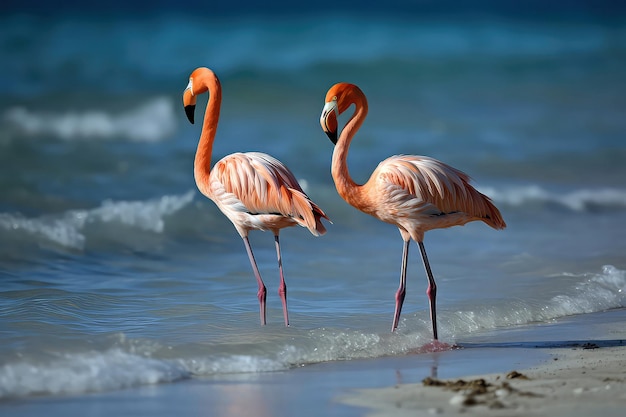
90,93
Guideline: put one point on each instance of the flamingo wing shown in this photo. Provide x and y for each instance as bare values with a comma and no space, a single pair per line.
425,186
261,186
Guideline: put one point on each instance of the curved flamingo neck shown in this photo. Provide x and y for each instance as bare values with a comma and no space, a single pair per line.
202,161
346,187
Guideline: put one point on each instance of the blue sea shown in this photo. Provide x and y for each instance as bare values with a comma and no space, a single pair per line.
117,273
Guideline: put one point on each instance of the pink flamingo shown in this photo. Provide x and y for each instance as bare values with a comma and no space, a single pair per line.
414,193
254,190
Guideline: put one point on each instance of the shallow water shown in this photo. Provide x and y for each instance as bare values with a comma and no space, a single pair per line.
116,272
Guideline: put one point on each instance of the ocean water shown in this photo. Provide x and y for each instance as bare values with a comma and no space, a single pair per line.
115,272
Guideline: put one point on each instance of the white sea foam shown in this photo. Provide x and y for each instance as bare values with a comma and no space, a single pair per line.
588,294
232,364
153,121
577,200
596,293
68,229
85,372
116,368
146,215
137,362
313,346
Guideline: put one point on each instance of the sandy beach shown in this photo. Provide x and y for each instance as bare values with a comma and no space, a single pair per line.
580,378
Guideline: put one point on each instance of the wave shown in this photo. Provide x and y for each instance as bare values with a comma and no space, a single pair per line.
85,372
150,122
128,362
586,293
72,228
68,229
578,200
596,293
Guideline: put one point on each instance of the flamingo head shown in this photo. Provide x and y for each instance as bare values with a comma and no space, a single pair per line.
338,99
197,85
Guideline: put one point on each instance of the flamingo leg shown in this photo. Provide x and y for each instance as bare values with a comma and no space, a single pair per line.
261,294
282,288
402,288
431,291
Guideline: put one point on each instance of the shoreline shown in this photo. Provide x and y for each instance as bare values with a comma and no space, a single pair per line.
574,366
577,380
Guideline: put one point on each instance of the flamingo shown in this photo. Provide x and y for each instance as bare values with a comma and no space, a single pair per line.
414,193
253,190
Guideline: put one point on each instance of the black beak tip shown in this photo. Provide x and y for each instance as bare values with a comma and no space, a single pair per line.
190,111
332,135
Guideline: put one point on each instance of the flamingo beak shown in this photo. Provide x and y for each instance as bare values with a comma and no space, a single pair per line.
190,111
189,102
328,120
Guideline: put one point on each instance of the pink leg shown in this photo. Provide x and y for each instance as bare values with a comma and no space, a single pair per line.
402,288
431,291
282,288
261,294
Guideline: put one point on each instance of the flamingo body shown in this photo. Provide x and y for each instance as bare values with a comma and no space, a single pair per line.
258,192
414,193
255,191
418,193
